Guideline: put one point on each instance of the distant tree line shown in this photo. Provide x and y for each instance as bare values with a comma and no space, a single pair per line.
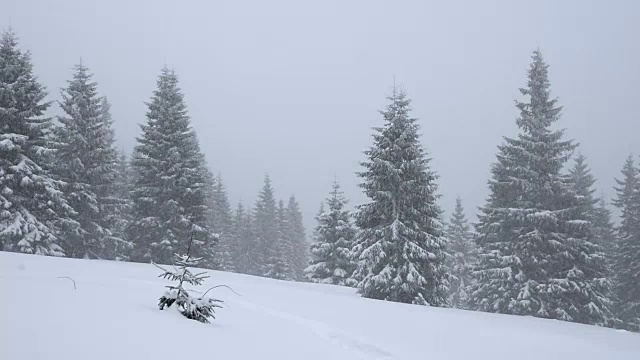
544,244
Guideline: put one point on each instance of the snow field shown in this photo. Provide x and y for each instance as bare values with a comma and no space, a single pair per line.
113,315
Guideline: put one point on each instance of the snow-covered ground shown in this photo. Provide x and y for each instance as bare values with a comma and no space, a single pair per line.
113,315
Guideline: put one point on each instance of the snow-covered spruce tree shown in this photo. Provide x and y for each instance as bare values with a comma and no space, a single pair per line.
86,161
461,257
296,238
265,230
400,246
222,225
536,254
583,183
595,209
169,189
209,250
243,239
627,251
331,261
603,232
212,251
122,250
280,259
33,209
197,308
114,203
81,105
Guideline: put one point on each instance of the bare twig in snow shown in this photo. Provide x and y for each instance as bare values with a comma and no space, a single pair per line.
66,277
217,286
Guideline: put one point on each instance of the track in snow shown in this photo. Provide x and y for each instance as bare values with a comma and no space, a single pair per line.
361,347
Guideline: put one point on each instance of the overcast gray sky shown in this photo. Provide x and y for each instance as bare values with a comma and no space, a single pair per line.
292,88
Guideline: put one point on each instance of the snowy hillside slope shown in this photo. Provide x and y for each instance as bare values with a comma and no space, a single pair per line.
113,315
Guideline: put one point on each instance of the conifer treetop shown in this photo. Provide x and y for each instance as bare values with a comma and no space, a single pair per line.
541,112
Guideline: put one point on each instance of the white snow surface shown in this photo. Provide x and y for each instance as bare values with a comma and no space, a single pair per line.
113,315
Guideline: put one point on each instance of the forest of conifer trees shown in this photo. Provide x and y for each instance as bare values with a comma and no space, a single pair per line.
544,243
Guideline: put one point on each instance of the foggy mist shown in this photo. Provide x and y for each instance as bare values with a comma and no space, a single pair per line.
292,88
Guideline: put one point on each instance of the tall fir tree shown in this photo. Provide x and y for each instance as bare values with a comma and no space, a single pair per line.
331,261
169,193
279,263
34,210
297,246
536,253
122,250
74,161
211,252
265,227
86,161
583,183
461,257
243,240
113,204
222,225
627,252
595,209
603,231
400,246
